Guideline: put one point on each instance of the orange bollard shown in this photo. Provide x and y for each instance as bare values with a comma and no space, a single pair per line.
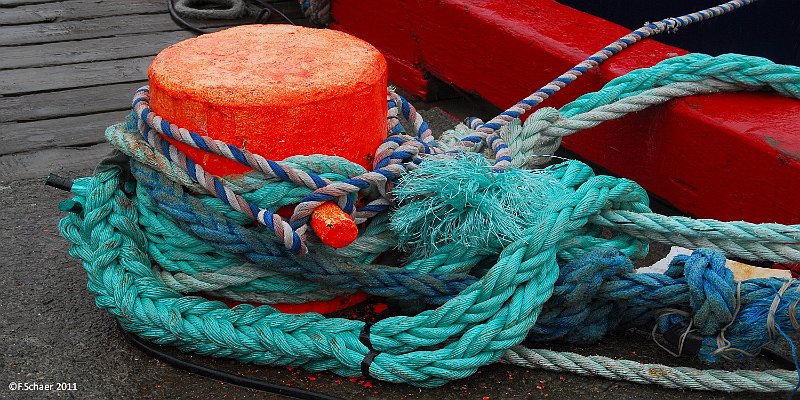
277,91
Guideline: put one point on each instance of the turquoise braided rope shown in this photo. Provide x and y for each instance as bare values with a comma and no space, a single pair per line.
486,318
756,72
120,237
191,265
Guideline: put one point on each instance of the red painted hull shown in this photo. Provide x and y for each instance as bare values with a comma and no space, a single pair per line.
728,156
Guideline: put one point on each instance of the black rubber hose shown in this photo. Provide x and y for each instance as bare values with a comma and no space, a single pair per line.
226,377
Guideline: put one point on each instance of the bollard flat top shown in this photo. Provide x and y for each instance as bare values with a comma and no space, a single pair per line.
267,65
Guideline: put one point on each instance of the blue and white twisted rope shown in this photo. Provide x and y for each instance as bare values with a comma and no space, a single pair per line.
396,154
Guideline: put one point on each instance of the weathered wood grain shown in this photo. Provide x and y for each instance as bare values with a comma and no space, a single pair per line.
85,29
38,164
69,69
28,80
78,9
65,31
51,54
17,3
66,103
82,130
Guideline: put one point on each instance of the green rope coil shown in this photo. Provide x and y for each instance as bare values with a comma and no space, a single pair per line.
140,262
485,319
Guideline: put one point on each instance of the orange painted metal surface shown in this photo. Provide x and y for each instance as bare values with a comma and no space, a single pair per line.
274,90
278,91
333,226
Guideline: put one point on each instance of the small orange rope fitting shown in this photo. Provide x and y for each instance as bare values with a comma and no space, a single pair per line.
333,226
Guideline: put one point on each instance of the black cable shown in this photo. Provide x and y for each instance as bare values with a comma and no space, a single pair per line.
267,10
59,182
226,377
272,9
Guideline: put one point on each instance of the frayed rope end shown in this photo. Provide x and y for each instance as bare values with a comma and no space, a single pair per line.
461,201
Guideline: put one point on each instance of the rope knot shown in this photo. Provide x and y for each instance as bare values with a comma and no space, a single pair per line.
529,142
712,290
452,140
717,304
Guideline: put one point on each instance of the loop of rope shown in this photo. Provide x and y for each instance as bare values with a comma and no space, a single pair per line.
229,237
377,335
394,142
393,340
223,9
396,154
316,11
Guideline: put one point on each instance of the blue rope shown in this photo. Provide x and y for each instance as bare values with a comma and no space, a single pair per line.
600,292
404,151
593,295
223,234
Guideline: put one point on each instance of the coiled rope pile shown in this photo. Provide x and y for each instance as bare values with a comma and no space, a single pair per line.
488,248
142,251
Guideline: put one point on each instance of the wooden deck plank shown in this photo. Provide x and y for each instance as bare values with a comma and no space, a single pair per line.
51,54
103,27
28,80
17,3
78,9
60,132
86,29
69,69
66,103
286,6
38,164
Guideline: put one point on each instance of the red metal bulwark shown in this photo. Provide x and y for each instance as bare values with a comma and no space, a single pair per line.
726,156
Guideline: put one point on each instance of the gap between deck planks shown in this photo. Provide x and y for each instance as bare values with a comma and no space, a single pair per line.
69,69
102,49
77,9
61,160
64,103
16,35
17,3
70,76
69,131
110,26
